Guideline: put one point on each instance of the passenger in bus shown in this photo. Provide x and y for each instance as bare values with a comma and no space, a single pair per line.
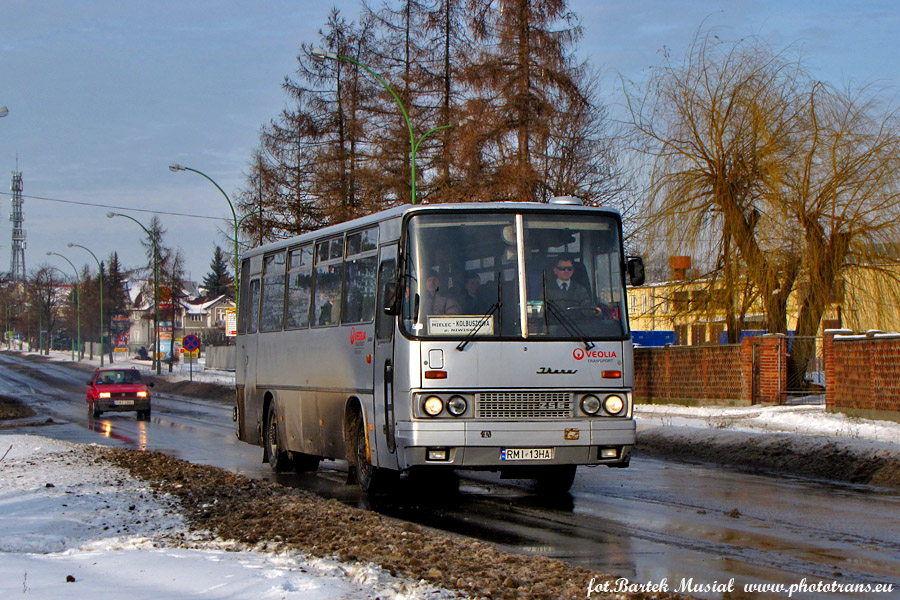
473,300
325,310
434,301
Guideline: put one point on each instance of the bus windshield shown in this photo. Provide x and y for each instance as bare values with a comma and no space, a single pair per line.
551,276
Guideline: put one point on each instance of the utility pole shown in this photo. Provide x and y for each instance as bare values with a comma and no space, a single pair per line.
17,216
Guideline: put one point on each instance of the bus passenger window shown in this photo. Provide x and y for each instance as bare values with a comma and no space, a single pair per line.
299,292
327,297
273,293
254,306
359,293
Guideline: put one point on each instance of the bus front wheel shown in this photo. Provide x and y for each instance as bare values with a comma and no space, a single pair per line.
370,478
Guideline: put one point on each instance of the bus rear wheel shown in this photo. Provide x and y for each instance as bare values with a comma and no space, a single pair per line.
277,458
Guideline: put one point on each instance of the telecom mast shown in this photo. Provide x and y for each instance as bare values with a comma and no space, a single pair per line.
17,216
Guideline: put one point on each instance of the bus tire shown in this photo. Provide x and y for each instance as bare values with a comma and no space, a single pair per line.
277,458
370,478
557,479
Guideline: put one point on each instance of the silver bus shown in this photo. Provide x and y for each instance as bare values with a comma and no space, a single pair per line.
486,336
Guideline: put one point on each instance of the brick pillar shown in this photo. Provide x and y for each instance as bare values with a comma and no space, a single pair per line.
747,370
828,356
771,351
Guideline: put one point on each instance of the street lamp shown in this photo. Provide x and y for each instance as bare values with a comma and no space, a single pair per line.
174,167
77,299
3,111
100,271
322,54
155,287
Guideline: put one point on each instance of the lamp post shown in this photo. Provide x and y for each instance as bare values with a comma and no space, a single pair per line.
77,299
100,271
322,54
155,287
174,167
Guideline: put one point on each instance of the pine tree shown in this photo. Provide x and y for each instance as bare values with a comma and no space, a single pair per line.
218,281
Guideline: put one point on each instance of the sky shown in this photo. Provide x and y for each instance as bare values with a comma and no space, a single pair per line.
104,94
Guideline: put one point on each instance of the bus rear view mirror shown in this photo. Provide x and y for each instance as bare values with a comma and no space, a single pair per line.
390,298
636,270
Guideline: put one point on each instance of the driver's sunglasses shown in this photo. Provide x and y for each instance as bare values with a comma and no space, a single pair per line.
564,268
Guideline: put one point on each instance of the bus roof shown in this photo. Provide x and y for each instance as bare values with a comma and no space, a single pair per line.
399,211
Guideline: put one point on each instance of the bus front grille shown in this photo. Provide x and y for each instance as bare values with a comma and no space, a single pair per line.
524,405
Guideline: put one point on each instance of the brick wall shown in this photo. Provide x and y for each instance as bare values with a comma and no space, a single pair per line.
862,374
678,373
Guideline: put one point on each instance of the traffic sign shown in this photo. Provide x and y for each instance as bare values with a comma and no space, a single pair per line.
190,343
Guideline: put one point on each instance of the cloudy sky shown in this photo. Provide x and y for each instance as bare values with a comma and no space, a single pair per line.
104,94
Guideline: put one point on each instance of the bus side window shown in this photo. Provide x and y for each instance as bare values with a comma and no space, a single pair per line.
359,292
253,306
327,296
273,293
299,290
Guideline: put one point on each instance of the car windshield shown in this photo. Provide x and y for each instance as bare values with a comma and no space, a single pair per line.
536,275
112,377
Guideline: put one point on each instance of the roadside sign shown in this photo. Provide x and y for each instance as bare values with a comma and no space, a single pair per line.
230,322
190,343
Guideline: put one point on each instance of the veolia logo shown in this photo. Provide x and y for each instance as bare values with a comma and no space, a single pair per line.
580,354
356,336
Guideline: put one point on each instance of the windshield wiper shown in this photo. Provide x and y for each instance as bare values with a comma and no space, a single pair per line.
567,323
484,319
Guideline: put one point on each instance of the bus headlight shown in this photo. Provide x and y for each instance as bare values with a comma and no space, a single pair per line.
433,406
590,404
457,405
613,404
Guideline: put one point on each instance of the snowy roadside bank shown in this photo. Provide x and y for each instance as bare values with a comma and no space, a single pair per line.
72,524
800,441
97,522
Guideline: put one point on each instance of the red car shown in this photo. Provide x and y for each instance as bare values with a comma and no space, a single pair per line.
118,390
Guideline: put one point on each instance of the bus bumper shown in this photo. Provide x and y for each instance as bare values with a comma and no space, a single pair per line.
487,444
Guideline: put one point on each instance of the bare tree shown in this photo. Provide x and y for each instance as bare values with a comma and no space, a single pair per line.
753,155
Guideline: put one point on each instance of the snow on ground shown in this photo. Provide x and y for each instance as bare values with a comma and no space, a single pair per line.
70,527
806,420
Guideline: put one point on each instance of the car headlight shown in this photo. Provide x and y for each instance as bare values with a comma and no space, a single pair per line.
105,395
142,394
457,405
433,406
613,404
590,404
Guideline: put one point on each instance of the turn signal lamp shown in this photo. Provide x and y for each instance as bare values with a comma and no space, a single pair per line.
435,374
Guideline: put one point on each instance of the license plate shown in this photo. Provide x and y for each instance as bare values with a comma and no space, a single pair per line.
123,402
526,454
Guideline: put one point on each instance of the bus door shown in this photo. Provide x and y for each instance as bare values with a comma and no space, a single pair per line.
249,408
384,354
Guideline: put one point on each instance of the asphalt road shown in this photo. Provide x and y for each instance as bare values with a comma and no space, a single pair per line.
656,520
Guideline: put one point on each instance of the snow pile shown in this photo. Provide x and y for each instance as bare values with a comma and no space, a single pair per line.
72,527
808,420
801,441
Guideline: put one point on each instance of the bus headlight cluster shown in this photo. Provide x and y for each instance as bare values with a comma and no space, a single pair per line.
434,405
613,405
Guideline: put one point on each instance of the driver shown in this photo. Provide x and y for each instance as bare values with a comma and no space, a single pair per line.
569,296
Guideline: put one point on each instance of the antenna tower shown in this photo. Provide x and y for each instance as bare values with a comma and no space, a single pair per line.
17,216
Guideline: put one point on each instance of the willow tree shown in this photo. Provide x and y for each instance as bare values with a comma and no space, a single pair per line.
798,177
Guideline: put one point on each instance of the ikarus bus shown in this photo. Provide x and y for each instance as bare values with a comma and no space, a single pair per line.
486,336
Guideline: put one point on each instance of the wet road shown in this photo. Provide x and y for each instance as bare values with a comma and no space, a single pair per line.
655,520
